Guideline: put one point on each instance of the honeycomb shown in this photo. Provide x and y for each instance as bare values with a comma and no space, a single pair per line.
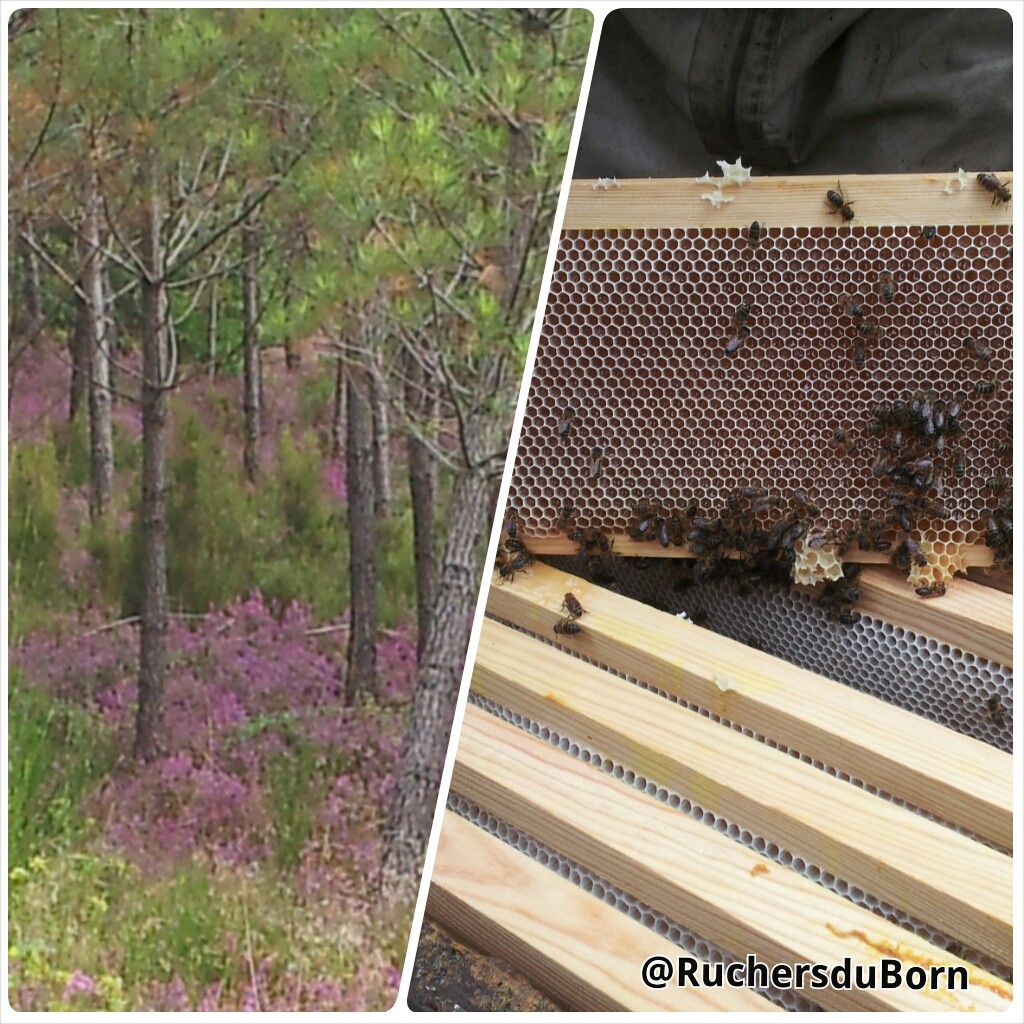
634,394
812,566
944,560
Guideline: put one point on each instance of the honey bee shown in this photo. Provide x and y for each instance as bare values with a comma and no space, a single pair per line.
572,605
567,626
755,235
516,564
997,484
928,232
990,183
996,710
741,314
931,590
566,421
869,328
860,352
849,618
735,340
978,350
675,529
596,462
837,203
566,513
840,441
886,288
1004,449
850,306
511,524
985,387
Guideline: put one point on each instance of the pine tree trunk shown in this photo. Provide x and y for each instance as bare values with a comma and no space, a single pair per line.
33,288
362,533
381,438
421,407
211,334
79,347
436,693
101,437
338,417
152,653
252,384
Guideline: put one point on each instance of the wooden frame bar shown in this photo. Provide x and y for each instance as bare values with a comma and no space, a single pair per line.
725,892
880,199
901,857
571,944
955,777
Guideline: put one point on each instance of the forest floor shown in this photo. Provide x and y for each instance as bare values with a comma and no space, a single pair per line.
236,871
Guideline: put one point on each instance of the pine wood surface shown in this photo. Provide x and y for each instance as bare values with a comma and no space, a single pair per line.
725,892
901,857
572,945
952,776
971,617
974,555
878,199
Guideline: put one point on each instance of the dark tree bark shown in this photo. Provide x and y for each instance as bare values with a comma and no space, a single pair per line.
381,439
421,407
361,672
153,631
437,690
338,412
101,437
252,376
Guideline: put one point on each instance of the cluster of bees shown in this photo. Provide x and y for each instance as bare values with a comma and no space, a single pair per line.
513,555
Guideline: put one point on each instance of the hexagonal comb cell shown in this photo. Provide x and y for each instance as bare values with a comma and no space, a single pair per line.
699,365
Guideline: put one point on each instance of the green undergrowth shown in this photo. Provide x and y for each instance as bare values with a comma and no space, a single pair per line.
285,536
87,932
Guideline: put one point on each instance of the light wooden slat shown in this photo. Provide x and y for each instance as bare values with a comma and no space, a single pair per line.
975,555
969,616
720,889
955,777
570,944
933,873
878,199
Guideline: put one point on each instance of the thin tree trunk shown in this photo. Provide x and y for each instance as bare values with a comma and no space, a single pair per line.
338,417
362,532
252,384
153,630
381,438
33,288
101,437
211,336
79,346
437,689
421,408
112,336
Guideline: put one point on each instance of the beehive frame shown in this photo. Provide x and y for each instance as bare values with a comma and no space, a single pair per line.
630,696
646,279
